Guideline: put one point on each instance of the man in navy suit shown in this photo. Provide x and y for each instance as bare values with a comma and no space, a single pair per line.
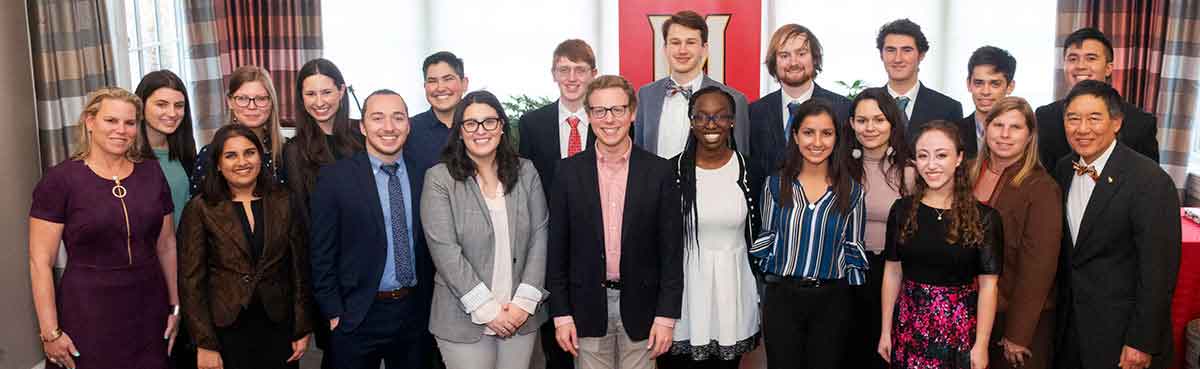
902,47
372,274
990,74
662,125
794,58
1088,55
557,131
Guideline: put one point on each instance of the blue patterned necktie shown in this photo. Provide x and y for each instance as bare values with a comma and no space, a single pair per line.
787,125
673,88
404,268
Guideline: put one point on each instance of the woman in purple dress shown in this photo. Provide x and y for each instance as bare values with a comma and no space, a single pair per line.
116,303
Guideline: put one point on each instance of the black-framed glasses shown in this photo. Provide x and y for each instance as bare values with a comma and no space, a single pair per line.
700,119
488,124
599,112
245,101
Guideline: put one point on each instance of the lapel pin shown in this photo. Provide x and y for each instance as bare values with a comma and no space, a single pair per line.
1110,180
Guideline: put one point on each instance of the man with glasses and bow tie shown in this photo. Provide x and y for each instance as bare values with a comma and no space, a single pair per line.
1118,267
662,125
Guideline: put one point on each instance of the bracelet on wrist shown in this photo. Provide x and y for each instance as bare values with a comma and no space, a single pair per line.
175,310
54,335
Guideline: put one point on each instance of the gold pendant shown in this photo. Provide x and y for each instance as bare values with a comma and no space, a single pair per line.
118,190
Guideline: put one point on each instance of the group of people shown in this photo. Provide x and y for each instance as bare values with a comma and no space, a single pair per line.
674,225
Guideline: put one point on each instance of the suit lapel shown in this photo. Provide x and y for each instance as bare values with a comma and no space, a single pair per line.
232,229
775,120
553,133
653,106
1064,183
366,181
590,181
1106,186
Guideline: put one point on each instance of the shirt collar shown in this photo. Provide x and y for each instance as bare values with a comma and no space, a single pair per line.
804,96
911,94
605,158
694,84
1103,159
377,163
563,113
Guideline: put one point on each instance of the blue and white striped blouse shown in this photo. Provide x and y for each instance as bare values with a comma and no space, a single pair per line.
811,240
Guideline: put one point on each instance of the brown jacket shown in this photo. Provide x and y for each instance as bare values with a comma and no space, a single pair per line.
1032,217
217,280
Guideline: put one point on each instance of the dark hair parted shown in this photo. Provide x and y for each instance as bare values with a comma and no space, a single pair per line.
1076,39
575,50
998,58
214,188
313,149
1101,90
686,170
837,164
903,27
447,57
899,155
181,145
966,223
688,19
786,33
460,165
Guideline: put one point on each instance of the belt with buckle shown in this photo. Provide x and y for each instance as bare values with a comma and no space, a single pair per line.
397,294
800,282
611,284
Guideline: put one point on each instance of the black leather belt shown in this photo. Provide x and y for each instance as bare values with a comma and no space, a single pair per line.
398,294
800,282
611,284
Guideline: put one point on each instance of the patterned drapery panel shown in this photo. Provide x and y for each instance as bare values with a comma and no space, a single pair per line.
71,57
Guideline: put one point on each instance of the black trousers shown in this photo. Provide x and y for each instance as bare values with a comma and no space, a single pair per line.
253,341
806,327
865,324
391,333
556,358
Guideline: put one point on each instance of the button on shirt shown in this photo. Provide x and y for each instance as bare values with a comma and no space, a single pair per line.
564,128
911,95
613,172
1081,191
674,125
388,282
787,99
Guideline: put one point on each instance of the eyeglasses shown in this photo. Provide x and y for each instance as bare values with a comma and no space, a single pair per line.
700,119
245,101
599,112
567,71
488,124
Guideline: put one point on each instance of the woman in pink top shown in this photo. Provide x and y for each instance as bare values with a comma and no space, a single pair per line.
882,154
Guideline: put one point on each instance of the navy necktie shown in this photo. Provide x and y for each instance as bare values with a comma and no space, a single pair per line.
902,103
787,126
404,268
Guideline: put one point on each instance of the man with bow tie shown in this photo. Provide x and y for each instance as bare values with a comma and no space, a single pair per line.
1118,267
662,125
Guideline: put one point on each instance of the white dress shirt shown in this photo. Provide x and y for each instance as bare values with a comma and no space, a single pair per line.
911,95
564,129
674,125
1081,189
788,99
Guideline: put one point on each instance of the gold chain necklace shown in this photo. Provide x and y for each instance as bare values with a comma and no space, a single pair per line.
119,192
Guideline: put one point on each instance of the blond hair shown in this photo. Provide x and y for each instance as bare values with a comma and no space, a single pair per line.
94,99
1030,160
253,73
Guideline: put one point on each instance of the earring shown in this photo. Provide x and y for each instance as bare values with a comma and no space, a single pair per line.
856,153
890,151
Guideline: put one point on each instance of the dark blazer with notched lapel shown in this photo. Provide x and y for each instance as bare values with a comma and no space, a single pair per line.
1117,279
649,114
349,241
1139,131
539,142
767,138
651,245
218,277
932,105
966,134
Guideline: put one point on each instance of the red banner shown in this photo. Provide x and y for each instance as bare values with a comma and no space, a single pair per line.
734,31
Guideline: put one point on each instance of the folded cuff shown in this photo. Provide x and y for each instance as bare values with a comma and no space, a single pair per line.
664,321
563,320
475,298
485,313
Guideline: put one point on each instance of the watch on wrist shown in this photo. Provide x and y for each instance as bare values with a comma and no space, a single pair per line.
54,335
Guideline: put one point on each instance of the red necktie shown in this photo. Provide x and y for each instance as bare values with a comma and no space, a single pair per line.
574,143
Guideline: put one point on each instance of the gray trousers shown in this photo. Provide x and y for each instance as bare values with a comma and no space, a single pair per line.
615,350
490,352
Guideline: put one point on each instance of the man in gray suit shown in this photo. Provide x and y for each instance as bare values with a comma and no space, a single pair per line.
662,125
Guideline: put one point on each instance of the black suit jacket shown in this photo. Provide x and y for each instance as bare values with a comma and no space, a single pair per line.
651,245
349,242
1118,276
1139,131
966,132
932,105
767,139
539,142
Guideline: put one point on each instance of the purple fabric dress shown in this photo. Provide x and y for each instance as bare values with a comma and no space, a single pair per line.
112,298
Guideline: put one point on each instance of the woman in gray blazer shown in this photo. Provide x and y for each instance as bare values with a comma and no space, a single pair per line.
485,220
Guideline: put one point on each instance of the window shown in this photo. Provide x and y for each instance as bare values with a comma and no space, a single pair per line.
148,35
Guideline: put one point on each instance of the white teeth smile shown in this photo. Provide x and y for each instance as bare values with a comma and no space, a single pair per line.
712,137
482,141
609,130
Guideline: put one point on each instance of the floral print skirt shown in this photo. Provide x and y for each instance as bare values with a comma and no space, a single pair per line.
934,326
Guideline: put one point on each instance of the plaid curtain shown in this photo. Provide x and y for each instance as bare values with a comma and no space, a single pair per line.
279,35
1179,90
71,57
